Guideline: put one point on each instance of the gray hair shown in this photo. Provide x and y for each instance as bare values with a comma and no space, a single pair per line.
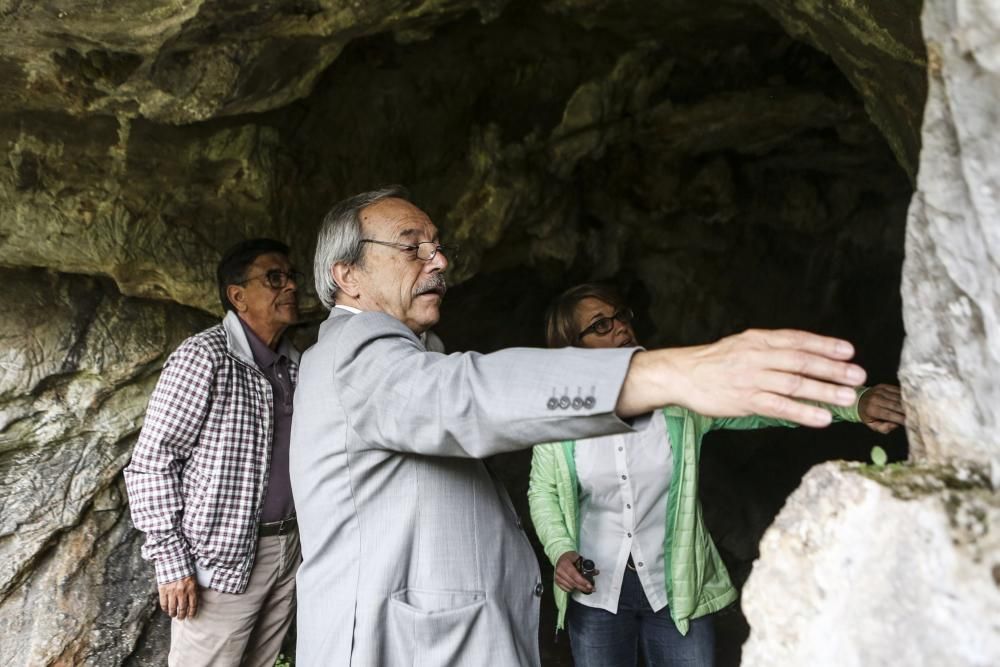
339,238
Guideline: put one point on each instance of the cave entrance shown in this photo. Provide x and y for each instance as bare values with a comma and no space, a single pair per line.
723,174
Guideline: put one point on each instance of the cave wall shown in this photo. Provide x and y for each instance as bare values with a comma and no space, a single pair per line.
79,360
728,165
872,43
951,278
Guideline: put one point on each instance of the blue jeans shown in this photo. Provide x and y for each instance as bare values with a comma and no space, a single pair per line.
599,638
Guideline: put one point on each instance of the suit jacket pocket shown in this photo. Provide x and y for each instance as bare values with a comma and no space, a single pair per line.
429,628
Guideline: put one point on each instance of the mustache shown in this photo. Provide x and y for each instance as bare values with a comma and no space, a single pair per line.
436,283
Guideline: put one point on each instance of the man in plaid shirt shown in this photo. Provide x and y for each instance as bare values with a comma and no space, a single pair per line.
208,481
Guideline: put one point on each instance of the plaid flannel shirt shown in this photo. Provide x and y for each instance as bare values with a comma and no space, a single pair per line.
199,470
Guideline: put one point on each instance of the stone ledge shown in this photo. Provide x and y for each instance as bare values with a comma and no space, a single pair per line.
865,567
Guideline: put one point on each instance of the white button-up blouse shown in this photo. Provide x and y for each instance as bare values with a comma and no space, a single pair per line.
624,480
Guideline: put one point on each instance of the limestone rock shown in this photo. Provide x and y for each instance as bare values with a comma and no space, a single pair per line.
884,568
180,62
79,361
149,206
902,566
951,277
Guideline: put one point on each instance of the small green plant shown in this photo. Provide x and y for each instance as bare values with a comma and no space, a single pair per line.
878,456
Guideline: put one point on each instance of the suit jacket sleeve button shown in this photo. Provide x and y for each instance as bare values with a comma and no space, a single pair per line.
539,589
553,403
577,403
564,402
589,402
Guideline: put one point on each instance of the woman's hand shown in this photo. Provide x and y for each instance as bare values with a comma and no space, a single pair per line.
568,577
881,408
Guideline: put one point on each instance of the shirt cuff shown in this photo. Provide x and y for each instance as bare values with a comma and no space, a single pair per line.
853,414
173,568
558,549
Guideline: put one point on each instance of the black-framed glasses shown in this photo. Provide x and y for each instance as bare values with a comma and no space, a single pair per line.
275,278
606,324
425,250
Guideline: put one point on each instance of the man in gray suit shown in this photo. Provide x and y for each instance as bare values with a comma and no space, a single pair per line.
412,552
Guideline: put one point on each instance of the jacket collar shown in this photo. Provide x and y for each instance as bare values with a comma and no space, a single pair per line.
239,346
430,340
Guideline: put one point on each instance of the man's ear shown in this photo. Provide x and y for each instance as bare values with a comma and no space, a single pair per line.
346,276
237,296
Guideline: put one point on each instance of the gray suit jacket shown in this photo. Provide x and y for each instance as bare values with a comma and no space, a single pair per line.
412,552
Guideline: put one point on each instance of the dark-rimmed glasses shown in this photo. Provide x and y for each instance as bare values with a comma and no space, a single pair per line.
424,251
275,278
606,324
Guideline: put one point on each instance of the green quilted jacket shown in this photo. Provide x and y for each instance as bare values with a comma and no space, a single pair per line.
697,580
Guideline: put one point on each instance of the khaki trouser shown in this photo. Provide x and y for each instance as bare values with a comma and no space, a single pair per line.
243,630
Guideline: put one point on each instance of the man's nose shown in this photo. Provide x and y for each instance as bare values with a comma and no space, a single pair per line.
439,262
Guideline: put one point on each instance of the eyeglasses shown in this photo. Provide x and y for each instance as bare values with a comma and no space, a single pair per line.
275,278
425,250
606,324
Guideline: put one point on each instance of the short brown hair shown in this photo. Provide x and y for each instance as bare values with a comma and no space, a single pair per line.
560,323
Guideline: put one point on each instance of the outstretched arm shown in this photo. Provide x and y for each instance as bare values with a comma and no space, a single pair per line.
758,371
402,398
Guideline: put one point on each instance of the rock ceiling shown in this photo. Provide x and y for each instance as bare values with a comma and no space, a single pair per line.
143,137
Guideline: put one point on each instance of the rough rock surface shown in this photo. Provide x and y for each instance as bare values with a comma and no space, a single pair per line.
78,364
873,568
906,569
951,282
872,42
149,206
89,104
182,61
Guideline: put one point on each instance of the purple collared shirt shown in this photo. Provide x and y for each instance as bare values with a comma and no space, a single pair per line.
278,503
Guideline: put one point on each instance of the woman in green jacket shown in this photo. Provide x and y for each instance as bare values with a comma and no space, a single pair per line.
629,503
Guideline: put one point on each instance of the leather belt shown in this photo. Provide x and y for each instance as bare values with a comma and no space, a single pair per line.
283,527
